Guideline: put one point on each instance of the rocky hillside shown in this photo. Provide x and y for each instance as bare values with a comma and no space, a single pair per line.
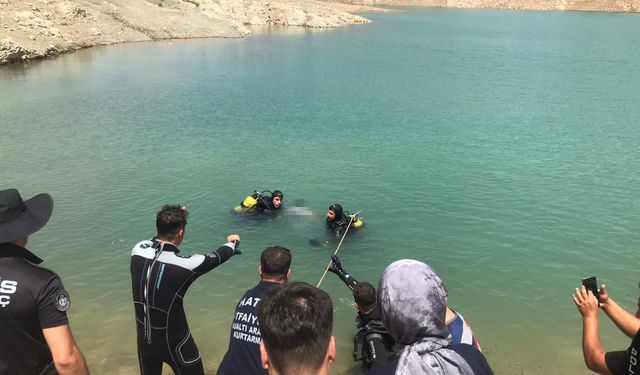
578,5
32,29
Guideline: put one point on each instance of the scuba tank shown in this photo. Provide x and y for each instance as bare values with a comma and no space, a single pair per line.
357,223
249,202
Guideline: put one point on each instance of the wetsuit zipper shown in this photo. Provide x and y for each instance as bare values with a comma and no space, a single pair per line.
147,326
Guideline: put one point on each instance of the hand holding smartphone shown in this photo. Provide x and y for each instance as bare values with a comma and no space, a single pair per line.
591,284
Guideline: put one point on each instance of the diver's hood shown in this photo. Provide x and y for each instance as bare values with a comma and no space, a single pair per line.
337,209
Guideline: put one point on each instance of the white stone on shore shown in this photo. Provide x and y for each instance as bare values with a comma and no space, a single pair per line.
10,51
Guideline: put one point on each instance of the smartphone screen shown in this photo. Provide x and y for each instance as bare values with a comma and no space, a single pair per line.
591,284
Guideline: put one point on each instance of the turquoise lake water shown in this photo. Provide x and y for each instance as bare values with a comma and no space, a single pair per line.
500,147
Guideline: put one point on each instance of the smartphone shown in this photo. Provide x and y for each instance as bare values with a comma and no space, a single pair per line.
591,284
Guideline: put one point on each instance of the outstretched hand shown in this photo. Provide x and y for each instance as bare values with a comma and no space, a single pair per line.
336,264
236,240
336,261
586,302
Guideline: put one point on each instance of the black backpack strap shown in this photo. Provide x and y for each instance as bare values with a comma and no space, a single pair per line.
376,326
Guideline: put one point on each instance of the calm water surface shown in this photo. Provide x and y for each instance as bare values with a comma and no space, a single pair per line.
500,147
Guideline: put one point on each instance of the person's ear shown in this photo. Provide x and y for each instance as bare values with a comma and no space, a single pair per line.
260,270
331,351
288,273
264,357
22,242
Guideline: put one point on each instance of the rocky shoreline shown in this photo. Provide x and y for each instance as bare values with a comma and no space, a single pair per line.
34,29
42,28
623,6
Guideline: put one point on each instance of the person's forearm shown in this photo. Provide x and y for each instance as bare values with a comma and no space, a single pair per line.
592,347
625,321
224,252
347,279
73,365
216,258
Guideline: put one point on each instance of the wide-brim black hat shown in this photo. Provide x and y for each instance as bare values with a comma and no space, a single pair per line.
18,218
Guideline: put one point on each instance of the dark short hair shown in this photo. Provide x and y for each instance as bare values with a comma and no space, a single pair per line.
296,320
275,261
170,219
365,295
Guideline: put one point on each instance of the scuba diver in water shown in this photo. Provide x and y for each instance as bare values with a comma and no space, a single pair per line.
262,202
337,221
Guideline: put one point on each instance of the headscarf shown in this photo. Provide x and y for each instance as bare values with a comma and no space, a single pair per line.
413,302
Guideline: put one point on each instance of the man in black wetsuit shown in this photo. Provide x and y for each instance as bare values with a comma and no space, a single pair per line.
272,203
336,220
260,203
160,278
243,355
376,343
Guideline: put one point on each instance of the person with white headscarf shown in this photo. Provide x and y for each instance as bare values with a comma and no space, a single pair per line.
413,302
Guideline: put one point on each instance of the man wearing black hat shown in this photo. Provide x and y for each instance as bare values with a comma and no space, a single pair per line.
36,338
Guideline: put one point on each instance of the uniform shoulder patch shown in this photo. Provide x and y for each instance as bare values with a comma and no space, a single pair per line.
62,302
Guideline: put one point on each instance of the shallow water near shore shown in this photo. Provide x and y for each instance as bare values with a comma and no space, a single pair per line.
500,147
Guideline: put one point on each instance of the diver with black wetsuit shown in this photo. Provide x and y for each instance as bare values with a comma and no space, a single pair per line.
262,204
160,278
270,203
336,220
375,342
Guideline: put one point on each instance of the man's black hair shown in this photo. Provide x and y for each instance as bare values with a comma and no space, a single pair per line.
275,261
365,296
296,320
170,219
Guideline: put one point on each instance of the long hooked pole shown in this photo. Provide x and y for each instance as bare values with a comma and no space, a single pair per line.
337,248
